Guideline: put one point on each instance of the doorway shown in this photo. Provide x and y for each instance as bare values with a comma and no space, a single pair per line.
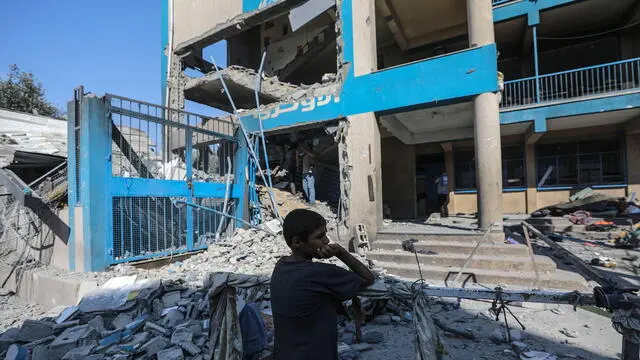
428,168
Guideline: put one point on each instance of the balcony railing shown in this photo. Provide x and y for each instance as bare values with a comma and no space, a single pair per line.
561,86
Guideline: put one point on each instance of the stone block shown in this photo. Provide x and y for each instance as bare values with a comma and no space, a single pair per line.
8,338
34,330
40,352
121,321
42,341
97,323
173,318
170,299
154,345
190,347
156,329
181,335
78,353
174,353
71,338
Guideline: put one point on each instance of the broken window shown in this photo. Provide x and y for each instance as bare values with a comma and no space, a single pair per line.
593,162
513,169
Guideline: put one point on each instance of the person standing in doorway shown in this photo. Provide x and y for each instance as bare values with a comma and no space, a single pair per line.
442,182
309,185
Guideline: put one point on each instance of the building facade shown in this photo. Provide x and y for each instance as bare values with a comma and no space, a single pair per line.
520,102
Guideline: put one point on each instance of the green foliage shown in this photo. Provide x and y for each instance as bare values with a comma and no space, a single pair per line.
20,91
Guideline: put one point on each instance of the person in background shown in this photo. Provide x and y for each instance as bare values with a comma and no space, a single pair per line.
309,185
305,295
442,182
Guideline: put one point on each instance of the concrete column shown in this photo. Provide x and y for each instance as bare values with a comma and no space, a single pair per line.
633,163
360,155
486,123
530,164
450,169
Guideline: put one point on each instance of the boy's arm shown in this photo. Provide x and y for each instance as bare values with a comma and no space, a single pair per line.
354,264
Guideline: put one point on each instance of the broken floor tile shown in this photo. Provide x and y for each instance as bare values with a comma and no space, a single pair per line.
181,335
190,347
60,328
78,336
67,314
42,341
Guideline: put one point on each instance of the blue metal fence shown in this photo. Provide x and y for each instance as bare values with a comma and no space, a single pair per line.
561,86
159,155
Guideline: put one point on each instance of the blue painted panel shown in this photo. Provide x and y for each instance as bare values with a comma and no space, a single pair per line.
215,190
95,170
121,186
524,7
539,114
429,81
240,177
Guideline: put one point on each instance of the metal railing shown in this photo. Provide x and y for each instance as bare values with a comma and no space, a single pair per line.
151,141
588,81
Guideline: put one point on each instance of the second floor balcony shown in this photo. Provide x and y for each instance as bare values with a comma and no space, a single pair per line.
588,82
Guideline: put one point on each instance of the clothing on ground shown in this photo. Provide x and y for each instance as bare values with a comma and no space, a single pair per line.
304,298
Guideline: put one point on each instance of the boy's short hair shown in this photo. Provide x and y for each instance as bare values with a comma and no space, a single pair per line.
301,223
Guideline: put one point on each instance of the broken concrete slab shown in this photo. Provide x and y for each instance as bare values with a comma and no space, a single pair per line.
156,329
241,83
16,352
33,330
83,335
170,299
7,338
154,345
78,353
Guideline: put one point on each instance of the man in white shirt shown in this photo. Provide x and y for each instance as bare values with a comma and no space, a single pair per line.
442,182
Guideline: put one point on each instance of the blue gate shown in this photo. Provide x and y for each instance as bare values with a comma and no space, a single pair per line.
131,160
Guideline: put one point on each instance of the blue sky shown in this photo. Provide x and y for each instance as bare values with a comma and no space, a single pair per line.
107,46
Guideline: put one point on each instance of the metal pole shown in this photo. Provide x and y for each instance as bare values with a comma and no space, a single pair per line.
549,297
246,137
535,62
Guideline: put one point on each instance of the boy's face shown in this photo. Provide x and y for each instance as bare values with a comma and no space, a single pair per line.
309,249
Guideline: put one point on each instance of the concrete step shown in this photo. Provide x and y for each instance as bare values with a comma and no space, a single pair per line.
456,247
456,261
461,237
559,279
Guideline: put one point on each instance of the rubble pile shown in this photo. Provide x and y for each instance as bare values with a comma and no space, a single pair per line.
124,319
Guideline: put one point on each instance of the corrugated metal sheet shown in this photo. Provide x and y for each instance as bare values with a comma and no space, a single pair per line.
30,133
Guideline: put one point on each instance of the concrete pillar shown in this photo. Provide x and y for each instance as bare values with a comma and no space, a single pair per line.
360,155
486,123
633,163
450,169
530,164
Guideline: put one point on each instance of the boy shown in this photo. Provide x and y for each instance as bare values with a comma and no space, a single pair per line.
305,294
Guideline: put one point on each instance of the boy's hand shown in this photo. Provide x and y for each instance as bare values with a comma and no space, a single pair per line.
330,250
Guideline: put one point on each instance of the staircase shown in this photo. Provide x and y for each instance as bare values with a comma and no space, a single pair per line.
493,264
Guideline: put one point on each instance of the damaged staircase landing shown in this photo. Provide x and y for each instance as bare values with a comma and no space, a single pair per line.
493,264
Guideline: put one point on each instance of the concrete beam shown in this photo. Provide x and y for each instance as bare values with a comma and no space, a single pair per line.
632,126
397,128
389,16
531,137
443,135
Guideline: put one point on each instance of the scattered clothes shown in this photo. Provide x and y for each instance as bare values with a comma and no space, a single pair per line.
581,194
581,217
601,226
604,262
511,241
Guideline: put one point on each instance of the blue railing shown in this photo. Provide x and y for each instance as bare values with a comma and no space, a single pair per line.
561,86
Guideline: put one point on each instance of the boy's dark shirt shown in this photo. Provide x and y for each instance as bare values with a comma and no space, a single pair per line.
304,299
